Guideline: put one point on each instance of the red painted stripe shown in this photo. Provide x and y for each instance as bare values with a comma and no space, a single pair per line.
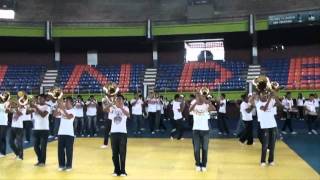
3,71
74,78
124,80
102,79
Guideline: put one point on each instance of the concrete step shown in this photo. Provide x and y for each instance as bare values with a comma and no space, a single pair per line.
149,83
254,66
150,76
47,85
255,69
48,81
51,74
50,77
150,73
149,80
254,73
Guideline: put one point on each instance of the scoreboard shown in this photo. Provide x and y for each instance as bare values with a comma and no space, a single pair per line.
294,19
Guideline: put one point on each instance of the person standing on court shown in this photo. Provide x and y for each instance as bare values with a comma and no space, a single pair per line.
119,113
137,117
246,116
222,116
4,110
178,105
40,129
200,110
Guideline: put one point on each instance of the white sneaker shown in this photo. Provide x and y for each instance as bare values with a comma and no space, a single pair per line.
55,138
123,175
114,174
181,139
171,138
204,169
293,132
2,155
309,132
26,142
104,146
198,168
50,137
219,133
271,164
263,164
314,132
18,159
60,169
283,132
68,169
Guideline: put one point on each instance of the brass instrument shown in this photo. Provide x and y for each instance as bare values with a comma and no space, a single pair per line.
263,84
22,98
56,93
5,96
111,89
204,91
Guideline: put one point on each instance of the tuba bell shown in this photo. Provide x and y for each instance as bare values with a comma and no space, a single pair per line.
111,89
22,98
204,91
56,93
5,96
263,84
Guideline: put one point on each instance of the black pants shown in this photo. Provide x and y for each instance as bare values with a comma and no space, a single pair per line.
152,120
310,121
190,120
27,126
178,128
300,109
16,141
269,137
287,122
119,151
108,123
137,122
78,125
200,141
52,125
247,134
56,126
222,124
40,144
161,125
65,151
259,132
3,139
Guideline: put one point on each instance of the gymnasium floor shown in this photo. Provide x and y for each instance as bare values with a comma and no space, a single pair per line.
162,159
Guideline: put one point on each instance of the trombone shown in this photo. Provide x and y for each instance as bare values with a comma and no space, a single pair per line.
111,90
263,84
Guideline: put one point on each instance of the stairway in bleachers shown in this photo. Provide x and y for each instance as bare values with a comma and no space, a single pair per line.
253,72
49,80
150,76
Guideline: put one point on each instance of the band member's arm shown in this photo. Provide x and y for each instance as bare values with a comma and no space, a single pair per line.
211,107
66,114
134,102
249,109
192,106
41,113
276,98
125,112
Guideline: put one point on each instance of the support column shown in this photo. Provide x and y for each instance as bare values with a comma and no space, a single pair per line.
254,39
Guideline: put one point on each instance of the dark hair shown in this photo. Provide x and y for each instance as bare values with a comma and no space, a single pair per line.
42,96
300,95
69,98
311,95
176,96
91,96
120,96
243,96
192,96
223,95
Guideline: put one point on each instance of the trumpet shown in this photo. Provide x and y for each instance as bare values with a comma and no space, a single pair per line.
263,84
56,93
111,89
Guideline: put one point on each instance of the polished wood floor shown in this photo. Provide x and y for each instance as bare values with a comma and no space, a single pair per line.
162,159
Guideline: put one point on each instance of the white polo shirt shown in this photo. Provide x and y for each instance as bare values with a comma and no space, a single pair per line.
66,125
311,106
18,123
176,110
78,109
222,108
300,102
266,118
246,116
119,120
91,109
287,104
200,117
3,114
41,123
137,107
152,104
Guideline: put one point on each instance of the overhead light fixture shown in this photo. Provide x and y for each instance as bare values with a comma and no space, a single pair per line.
7,14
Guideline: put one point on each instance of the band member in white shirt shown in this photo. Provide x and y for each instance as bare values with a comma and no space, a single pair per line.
79,122
152,111
119,114
16,133
56,116
222,117
300,102
178,105
162,127
287,104
246,115
52,121
66,134
310,108
41,129
27,125
200,110
4,110
137,117
91,116
268,124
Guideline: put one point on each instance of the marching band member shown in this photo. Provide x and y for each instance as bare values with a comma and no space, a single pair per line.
27,125
92,116
79,122
41,129
287,104
16,133
119,114
268,124
246,118
310,108
107,120
137,117
222,117
4,110
152,111
66,134
177,108
200,110
300,102
162,127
